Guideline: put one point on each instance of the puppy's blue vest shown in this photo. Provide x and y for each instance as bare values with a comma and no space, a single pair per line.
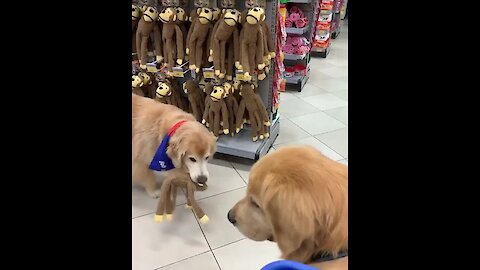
161,161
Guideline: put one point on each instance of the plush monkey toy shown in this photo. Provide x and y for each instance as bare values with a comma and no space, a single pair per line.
197,38
176,178
137,83
136,13
257,112
172,38
182,19
232,104
147,25
216,111
251,43
226,28
166,93
195,97
149,84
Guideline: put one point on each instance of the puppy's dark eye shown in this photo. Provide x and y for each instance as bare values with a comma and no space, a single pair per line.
207,157
254,203
193,159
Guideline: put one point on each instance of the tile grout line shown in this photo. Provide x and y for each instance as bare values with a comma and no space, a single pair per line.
239,173
229,243
182,260
208,243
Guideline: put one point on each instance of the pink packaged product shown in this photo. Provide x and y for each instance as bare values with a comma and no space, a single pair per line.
295,17
296,45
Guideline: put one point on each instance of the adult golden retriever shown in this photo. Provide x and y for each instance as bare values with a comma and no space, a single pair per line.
190,147
298,198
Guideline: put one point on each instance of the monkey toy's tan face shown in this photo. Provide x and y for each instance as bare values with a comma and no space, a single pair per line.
231,17
216,13
181,16
218,93
205,15
163,90
228,88
145,78
255,15
168,15
236,83
135,13
150,14
136,81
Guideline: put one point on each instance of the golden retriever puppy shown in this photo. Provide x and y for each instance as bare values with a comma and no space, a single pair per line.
190,147
298,198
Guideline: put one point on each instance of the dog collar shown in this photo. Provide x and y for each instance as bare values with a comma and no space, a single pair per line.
329,257
161,161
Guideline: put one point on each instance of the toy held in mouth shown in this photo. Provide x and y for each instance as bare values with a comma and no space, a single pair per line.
168,194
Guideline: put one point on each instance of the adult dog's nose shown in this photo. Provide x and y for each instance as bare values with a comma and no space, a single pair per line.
202,179
231,218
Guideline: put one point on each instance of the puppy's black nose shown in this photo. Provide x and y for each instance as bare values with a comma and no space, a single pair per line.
231,218
202,179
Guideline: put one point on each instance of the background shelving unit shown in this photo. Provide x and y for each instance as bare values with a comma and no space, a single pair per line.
241,145
297,82
336,20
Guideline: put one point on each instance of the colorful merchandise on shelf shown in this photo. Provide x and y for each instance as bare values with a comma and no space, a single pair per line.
321,39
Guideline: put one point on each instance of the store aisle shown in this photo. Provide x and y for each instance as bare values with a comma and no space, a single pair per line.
318,116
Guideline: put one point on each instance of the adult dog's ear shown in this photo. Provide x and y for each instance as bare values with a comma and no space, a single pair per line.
176,151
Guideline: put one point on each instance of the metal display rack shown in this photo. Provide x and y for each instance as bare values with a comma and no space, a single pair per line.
297,82
322,33
336,20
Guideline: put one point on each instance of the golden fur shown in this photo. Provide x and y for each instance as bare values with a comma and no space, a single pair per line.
298,198
151,121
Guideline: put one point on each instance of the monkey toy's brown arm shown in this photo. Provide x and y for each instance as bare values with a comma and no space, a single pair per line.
244,52
157,36
210,47
165,192
262,111
224,117
195,107
236,47
240,114
259,50
191,199
180,48
207,109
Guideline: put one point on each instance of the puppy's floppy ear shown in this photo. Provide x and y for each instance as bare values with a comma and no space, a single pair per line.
293,214
176,151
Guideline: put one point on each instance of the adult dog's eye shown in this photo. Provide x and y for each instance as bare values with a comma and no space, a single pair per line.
193,159
207,157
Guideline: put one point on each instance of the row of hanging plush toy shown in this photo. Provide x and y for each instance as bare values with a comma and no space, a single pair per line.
227,37
224,109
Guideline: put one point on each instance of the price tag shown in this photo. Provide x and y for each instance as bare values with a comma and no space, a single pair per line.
178,72
152,67
208,73
239,75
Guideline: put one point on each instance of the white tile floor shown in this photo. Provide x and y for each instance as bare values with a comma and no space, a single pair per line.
317,116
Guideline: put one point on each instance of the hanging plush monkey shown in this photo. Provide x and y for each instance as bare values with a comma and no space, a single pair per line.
226,28
147,25
182,19
197,38
216,111
136,13
149,86
251,43
232,104
172,38
137,83
256,112
195,97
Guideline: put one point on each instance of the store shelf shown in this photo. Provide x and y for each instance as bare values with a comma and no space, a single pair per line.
298,31
288,56
297,82
294,79
300,1
241,144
